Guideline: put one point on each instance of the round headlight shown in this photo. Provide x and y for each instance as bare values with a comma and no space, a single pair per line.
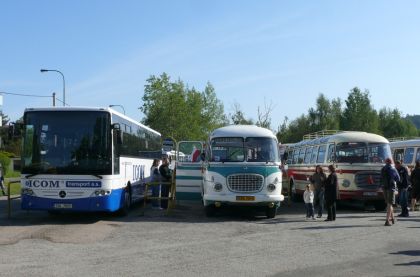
218,187
271,187
346,183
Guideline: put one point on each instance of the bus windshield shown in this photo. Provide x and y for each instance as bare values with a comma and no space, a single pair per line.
361,152
258,149
67,142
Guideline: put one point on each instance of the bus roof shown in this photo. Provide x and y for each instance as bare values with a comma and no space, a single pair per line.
405,143
242,131
346,136
98,109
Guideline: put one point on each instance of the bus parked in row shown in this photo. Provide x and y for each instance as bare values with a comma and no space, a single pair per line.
407,151
242,167
358,157
84,159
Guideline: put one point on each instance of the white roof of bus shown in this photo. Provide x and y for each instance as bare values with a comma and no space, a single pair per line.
107,109
242,131
347,136
405,143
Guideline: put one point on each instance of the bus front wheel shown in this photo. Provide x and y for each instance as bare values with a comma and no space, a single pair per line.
271,212
126,204
210,210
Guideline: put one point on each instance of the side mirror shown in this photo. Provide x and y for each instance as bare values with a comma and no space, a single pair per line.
203,156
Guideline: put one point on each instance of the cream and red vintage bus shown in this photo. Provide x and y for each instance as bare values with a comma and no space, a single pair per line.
407,151
358,157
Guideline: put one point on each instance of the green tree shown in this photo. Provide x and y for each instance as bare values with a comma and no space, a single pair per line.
238,117
177,111
358,114
392,124
326,115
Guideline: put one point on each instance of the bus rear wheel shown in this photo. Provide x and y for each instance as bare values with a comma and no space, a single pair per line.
380,206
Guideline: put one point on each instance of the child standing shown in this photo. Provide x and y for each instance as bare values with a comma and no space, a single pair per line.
308,197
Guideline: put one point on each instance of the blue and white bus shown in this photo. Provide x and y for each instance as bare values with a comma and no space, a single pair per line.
242,167
84,159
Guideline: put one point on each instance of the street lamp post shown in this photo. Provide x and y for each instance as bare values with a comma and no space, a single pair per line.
118,106
64,82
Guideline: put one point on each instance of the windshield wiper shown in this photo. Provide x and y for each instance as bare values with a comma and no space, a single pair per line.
97,176
31,175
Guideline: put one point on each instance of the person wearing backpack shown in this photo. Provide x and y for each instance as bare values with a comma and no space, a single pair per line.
389,179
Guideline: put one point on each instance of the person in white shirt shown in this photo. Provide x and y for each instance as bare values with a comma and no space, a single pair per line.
308,197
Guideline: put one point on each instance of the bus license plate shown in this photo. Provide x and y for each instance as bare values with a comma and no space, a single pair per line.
370,193
245,198
63,206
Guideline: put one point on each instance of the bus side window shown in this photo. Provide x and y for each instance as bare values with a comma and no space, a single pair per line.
331,153
408,156
314,154
308,155
321,154
398,154
417,155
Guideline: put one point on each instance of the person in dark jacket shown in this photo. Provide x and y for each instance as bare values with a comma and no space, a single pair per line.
331,191
318,181
166,176
389,178
402,188
415,185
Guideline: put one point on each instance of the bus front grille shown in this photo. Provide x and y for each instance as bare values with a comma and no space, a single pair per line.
245,182
368,180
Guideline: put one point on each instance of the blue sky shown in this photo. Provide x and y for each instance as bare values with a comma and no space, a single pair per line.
253,52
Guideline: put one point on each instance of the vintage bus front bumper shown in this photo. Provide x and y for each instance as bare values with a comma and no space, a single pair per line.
243,199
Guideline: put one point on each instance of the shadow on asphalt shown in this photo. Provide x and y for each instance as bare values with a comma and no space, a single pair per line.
184,212
333,227
411,253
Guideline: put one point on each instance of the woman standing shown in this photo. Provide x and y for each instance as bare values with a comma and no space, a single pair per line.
331,190
318,181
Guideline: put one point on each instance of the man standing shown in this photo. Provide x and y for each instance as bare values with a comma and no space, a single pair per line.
166,175
402,188
389,178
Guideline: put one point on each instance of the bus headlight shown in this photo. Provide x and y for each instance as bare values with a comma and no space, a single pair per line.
271,187
101,192
27,191
218,187
346,183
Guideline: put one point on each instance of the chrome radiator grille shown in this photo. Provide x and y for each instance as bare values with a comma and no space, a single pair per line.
368,180
245,182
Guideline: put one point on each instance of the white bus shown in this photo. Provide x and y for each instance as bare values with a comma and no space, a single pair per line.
358,157
84,159
242,167
406,150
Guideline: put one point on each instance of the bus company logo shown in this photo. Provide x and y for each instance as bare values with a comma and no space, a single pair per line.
42,184
138,172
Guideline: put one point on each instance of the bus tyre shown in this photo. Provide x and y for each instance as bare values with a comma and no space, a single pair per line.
210,210
271,212
293,195
380,206
125,209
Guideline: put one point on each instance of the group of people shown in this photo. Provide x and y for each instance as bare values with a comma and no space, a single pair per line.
160,173
397,181
394,181
322,188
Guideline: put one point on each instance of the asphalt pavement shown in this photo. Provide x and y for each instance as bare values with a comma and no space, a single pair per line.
186,243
